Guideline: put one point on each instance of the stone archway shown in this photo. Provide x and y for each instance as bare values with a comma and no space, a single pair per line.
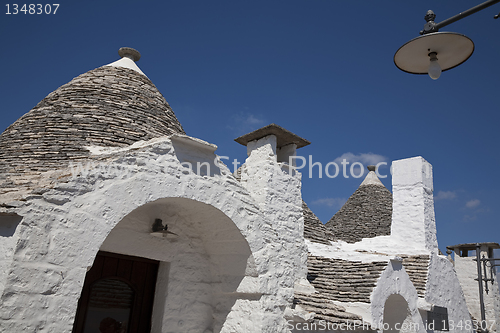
203,259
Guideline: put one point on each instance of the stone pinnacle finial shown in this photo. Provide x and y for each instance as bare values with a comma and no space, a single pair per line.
430,16
129,53
372,168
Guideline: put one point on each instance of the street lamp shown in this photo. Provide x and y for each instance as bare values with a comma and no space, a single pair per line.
435,52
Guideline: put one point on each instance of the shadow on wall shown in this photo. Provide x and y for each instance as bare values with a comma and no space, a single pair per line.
8,225
8,240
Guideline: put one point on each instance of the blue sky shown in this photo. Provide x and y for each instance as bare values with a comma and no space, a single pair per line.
322,69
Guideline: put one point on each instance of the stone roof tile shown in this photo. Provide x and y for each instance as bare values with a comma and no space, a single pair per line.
343,280
323,308
417,268
353,281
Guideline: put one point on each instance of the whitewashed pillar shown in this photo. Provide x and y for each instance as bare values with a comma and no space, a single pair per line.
413,220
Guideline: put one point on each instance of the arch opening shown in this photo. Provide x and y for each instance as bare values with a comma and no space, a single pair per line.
397,315
202,255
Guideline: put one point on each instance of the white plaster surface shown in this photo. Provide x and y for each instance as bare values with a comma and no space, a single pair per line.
126,63
207,259
371,179
368,250
394,286
443,289
466,269
413,221
496,304
397,312
239,252
359,308
277,195
195,142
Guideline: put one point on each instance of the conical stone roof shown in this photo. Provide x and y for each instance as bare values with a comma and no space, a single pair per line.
112,106
367,213
108,106
314,229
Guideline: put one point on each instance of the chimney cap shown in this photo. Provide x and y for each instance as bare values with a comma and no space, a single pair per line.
283,136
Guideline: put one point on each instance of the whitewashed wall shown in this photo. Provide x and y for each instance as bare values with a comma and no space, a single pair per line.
443,289
395,281
466,269
413,222
64,228
278,197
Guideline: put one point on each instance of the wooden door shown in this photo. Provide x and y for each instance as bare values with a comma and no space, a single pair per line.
117,296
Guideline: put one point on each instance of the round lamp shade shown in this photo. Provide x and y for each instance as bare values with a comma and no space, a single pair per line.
451,50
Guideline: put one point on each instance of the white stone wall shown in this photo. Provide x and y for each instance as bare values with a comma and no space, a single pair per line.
239,251
413,221
466,269
63,229
279,199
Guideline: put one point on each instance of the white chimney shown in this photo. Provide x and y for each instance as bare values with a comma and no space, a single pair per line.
413,220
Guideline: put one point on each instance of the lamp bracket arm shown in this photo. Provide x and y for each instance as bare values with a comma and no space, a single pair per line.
432,26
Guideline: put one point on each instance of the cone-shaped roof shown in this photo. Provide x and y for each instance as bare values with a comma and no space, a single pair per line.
314,229
114,105
367,213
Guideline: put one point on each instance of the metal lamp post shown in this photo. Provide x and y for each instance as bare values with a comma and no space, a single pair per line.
435,52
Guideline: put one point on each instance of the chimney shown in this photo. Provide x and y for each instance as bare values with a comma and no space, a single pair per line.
413,221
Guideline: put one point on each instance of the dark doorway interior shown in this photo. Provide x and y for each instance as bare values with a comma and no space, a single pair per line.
117,296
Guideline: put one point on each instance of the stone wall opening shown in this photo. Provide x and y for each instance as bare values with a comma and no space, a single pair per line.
117,295
397,315
203,259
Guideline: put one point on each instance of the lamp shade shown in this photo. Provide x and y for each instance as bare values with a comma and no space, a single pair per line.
451,49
